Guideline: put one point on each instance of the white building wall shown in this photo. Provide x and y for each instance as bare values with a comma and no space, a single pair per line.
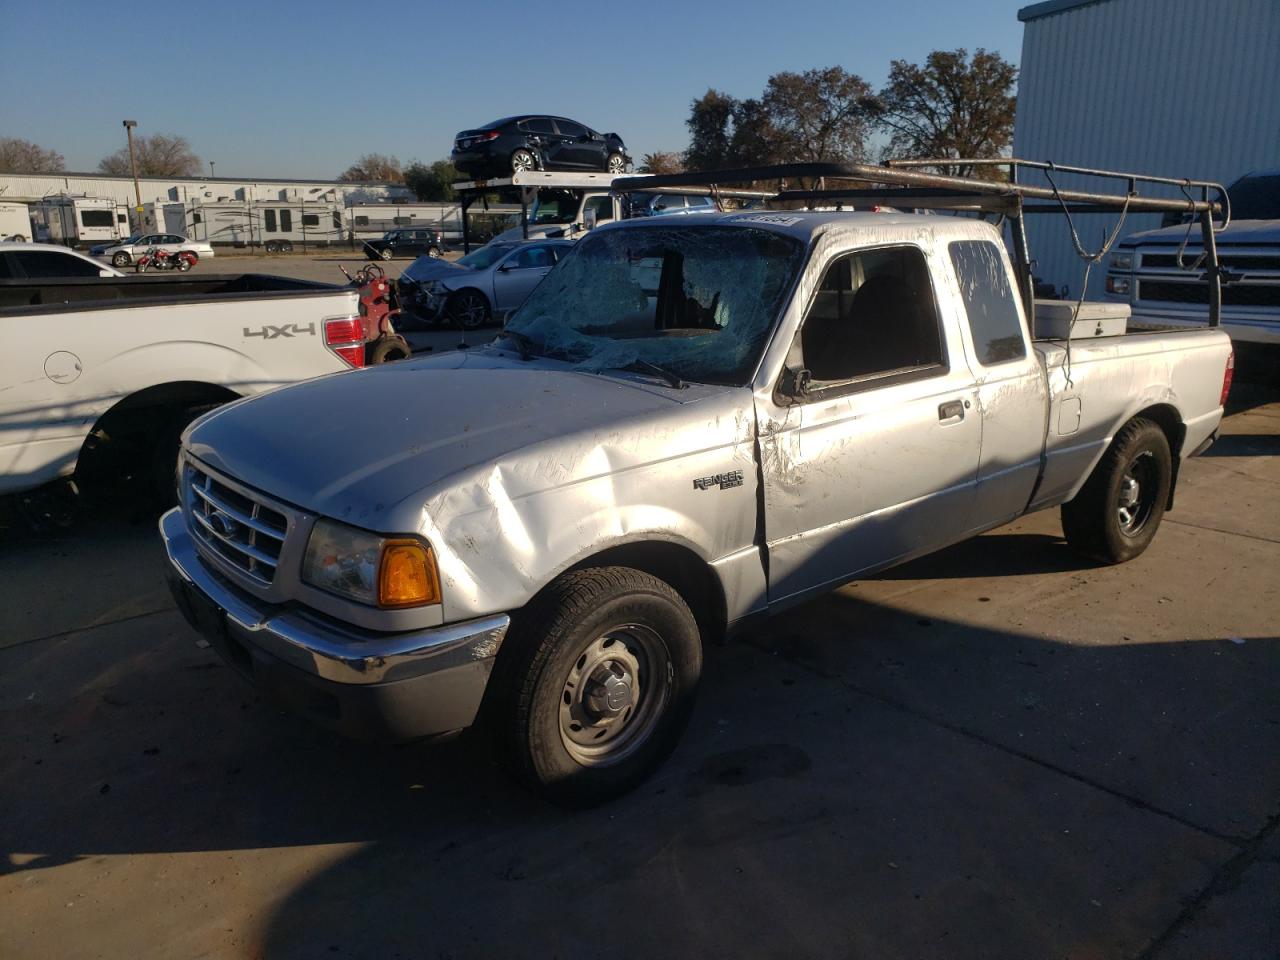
1179,88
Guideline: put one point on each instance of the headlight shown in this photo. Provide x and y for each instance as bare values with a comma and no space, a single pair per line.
368,568
1122,261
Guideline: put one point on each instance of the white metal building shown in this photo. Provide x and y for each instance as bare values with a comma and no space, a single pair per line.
1179,88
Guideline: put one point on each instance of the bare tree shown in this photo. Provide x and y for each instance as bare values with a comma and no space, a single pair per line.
160,155
23,156
950,107
661,161
373,167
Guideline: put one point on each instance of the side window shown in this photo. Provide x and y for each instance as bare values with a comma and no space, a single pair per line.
311,219
269,221
337,220
361,220
673,201
988,301
701,204
528,257
540,125
603,207
570,129
286,220
873,316
46,263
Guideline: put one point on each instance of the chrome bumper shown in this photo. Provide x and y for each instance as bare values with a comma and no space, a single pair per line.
369,685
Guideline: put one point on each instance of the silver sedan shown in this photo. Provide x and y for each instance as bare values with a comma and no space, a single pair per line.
124,252
485,284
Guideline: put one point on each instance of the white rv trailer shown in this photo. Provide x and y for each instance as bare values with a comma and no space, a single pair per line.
242,223
78,220
15,221
369,221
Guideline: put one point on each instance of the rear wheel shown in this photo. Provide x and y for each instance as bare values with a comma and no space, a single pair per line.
388,350
385,253
468,309
595,683
1116,514
523,160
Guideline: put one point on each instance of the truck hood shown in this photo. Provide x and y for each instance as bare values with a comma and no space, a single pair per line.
372,447
1240,232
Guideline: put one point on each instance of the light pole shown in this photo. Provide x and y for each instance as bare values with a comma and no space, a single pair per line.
211,169
133,163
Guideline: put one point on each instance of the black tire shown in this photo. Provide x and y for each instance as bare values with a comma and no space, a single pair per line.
388,350
164,454
385,253
529,704
270,247
435,253
182,264
468,310
120,259
523,159
286,246
1116,514
616,163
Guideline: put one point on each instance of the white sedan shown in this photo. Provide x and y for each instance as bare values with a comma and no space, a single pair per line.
121,253
41,261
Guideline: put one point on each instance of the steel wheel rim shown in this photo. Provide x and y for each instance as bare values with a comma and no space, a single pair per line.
385,254
1136,497
523,160
614,695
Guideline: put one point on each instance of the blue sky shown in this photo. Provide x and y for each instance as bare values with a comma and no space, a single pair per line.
301,90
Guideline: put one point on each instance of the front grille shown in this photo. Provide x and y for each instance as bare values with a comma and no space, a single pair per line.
240,529
1233,294
1233,261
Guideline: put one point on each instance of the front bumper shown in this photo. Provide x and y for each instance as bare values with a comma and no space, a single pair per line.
363,684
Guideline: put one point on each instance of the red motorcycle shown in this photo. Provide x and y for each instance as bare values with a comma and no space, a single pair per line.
180,260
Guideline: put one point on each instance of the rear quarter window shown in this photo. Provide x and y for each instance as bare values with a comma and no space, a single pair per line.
988,301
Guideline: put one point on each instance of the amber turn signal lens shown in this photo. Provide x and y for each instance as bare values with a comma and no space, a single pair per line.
407,576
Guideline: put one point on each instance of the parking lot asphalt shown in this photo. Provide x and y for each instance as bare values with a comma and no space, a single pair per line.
996,751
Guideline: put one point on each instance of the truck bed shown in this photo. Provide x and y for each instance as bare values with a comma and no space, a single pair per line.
25,297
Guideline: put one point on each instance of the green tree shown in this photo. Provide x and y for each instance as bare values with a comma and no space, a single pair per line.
818,115
373,168
432,182
161,155
710,126
951,106
661,161
23,156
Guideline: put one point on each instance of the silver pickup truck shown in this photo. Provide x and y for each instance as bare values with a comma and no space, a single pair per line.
691,423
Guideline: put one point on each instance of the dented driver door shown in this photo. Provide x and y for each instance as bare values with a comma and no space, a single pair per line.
876,459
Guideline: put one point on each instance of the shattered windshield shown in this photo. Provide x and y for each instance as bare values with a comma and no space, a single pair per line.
696,301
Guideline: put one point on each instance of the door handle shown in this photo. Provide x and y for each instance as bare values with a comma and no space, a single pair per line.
951,410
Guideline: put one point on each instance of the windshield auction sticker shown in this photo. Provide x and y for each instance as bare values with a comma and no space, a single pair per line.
773,218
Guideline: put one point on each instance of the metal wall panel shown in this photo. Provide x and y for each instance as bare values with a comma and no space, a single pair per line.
1180,88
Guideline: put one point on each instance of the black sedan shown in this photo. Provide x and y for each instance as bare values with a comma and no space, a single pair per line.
537,142
406,242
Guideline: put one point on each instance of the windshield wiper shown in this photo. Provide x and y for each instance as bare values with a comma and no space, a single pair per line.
672,379
523,344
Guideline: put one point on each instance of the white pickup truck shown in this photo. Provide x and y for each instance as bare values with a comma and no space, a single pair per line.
123,364
691,423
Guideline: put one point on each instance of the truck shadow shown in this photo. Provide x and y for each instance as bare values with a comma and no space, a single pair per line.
849,765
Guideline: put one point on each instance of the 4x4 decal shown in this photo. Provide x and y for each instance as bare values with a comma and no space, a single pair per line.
269,332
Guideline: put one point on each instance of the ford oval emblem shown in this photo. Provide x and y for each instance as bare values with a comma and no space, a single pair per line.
223,524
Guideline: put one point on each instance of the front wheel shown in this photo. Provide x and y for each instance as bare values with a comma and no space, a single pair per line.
142,266
120,259
617,163
385,253
595,684
468,309
1116,514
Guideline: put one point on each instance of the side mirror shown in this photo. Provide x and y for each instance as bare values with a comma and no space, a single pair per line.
795,383
504,268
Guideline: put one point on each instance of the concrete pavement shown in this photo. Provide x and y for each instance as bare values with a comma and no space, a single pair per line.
997,751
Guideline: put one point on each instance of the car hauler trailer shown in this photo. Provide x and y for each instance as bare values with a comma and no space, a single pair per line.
78,221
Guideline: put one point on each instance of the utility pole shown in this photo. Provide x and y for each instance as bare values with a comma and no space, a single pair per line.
211,169
133,162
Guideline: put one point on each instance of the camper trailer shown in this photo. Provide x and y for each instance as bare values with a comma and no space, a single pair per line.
248,223
369,221
15,221
78,221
